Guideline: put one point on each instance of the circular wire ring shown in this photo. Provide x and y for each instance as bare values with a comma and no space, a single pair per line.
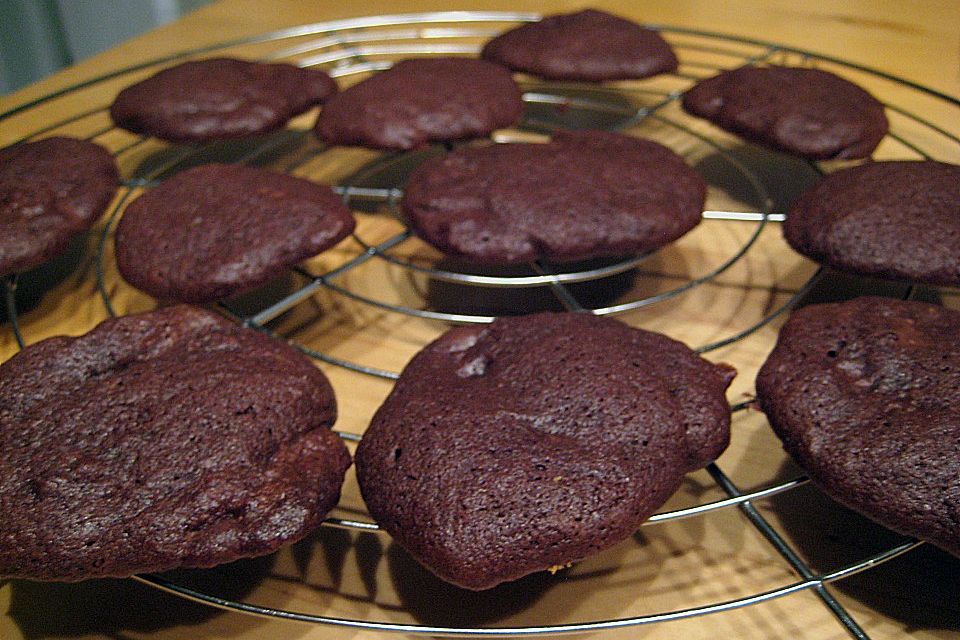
349,42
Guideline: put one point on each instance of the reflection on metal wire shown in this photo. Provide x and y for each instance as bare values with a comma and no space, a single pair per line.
10,306
519,632
362,45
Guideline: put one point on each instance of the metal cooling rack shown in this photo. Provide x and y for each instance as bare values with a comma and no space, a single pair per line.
355,47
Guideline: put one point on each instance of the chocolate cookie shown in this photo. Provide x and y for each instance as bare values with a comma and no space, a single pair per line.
865,395
50,191
584,195
536,441
808,112
216,230
168,439
422,100
589,45
889,219
217,98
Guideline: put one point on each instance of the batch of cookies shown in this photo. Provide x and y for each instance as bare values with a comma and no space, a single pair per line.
177,438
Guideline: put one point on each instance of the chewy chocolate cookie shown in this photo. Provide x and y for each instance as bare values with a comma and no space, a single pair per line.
50,191
585,194
422,100
865,395
588,45
218,98
536,441
809,112
168,439
216,230
896,220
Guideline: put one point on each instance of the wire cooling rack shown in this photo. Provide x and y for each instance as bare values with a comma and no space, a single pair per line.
748,194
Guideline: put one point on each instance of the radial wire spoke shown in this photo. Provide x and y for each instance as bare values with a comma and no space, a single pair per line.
341,46
10,305
788,554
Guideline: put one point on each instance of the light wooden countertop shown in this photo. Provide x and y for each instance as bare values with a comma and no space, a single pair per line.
687,563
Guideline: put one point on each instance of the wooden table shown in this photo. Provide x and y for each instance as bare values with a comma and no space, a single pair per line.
685,563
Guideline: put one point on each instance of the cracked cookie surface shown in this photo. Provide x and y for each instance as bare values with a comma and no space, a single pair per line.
865,396
536,441
585,194
161,440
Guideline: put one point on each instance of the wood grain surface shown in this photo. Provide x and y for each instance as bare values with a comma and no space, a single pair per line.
680,564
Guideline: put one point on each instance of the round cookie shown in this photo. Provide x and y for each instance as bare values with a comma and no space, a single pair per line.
422,100
808,112
218,98
536,441
586,194
588,45
50,191
216,230
865,396
896,220
162,440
